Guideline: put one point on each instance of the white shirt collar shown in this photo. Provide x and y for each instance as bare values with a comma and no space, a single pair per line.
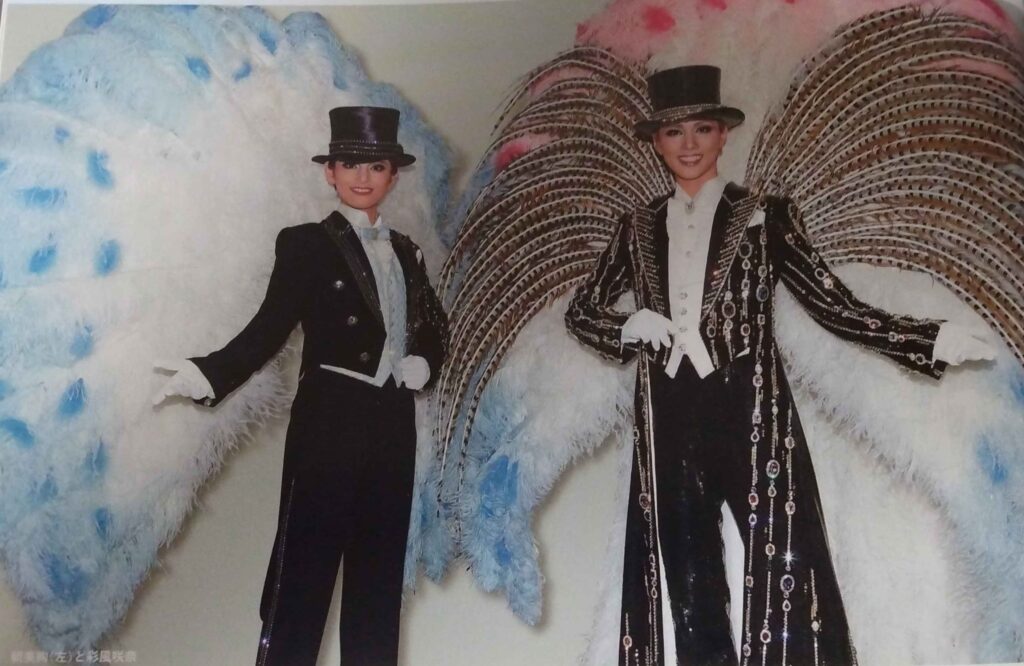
356,217
710,191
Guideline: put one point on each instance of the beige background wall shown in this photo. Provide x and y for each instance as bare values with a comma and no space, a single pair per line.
199,607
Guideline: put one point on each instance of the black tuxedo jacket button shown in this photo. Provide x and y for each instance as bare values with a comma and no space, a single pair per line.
338,284
353,320
365,357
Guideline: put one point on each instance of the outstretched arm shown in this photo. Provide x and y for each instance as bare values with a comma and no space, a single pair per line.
229,367
907,340
591,317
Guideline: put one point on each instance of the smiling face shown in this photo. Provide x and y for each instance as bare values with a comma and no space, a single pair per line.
361,186
690,149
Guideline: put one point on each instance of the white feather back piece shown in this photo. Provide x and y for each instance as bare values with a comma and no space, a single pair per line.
150,157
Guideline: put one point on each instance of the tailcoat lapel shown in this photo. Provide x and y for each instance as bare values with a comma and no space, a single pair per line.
651,256
731,218
344,237
405,251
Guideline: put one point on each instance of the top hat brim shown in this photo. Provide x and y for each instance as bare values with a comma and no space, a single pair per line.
731,116
399,159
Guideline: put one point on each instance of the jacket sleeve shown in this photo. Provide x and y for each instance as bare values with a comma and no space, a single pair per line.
432,325
229,367
906,340
591,317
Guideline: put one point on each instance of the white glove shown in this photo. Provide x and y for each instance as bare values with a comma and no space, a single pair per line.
650,328
414,372
187,381
957,343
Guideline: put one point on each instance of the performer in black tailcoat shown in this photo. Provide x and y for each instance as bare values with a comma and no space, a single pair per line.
374,332
715,419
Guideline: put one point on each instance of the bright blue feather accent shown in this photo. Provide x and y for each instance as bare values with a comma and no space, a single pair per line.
502,553
73,399
498,488
18,431
43,259
98,15
43,198
242,72
990,462
5,389
82,342
67,581
269,41
199,68
96,461
61,135
98,171
108,257
102,519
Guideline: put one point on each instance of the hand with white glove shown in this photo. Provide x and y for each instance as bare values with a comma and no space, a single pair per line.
650,328
413,372
957,343
187,381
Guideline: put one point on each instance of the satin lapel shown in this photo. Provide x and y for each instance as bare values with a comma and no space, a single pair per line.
731,218
406,253
344,237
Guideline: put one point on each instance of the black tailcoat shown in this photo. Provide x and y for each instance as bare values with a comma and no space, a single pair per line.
733,436
350,449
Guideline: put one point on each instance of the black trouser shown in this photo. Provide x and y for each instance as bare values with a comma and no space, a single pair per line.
702,458
346,489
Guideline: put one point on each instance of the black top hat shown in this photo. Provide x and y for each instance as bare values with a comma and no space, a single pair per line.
365,134
686,93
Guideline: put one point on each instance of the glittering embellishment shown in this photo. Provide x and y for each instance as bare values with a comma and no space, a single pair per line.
752,519
790,442
752,499
772,469
766,636
787,583
769,549
791,507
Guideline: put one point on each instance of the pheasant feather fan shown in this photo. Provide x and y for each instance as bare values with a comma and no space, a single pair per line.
899,138
901,142
535,231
